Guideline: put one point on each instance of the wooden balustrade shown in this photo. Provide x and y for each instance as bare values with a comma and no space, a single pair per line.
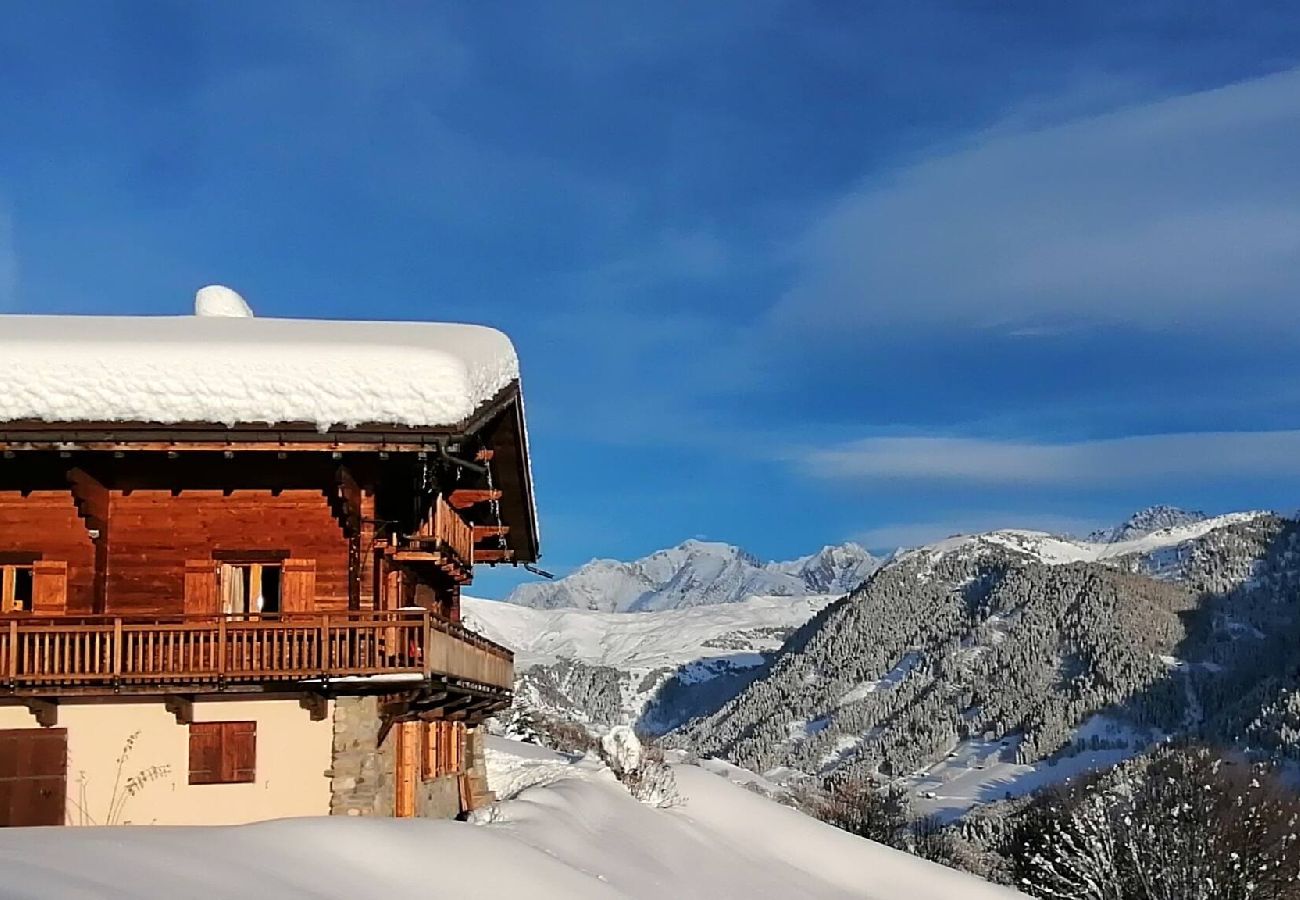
136,652
444,530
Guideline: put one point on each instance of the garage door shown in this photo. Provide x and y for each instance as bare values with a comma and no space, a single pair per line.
33,776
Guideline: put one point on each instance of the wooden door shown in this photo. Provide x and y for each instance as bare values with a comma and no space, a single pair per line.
406,768
33,776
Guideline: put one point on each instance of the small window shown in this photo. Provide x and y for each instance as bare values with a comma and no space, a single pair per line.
443,749
16,588
223,752
250,588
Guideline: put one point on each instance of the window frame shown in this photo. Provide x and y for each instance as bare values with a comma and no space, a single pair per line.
9,586
252,575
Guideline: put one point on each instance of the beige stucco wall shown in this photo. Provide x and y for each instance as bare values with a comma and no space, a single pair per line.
293,756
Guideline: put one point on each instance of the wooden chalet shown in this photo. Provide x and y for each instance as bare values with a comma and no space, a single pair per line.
257,612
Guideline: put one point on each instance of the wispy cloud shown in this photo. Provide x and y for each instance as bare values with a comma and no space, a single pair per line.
1167,214
1160,458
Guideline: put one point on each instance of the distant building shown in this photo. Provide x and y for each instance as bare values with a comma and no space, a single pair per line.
231,556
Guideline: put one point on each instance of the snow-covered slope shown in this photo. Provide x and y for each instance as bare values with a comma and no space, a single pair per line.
674,637
612,668
1138,549
723,841
697,573
576,835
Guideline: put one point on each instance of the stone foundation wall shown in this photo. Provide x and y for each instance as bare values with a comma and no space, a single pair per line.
361,778
439,798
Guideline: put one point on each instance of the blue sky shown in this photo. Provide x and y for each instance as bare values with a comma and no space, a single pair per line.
780,274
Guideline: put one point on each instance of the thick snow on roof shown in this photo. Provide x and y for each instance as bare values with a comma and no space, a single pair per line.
227,367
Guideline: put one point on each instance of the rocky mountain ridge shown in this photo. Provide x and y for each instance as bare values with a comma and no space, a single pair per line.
697,573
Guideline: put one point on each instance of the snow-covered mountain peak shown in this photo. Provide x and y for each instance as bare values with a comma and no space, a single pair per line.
698,573
1041,546
1147,521
835,569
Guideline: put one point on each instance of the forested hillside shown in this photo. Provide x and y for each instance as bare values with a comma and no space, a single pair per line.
1015,640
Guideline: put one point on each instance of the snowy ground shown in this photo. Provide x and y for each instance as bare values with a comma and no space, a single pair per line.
569,831
724,841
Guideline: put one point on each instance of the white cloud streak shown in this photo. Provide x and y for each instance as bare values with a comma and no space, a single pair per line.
1182,212
1154,459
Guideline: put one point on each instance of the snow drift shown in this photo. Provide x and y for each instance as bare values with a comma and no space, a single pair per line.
574,833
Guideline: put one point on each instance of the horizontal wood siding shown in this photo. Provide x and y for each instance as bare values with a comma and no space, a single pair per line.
155,534
46,523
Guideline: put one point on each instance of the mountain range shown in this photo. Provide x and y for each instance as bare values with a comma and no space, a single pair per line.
981,666
697,573
969,669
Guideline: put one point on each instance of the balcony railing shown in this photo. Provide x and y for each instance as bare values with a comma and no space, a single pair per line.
445,533
135,653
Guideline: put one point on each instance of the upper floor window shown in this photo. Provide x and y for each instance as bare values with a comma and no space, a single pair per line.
250,588
17,588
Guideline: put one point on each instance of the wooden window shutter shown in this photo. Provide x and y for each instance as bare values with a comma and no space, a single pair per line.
428,745
201,588
223,752
298,586
407,769
239,752
49,587
445,745
205,753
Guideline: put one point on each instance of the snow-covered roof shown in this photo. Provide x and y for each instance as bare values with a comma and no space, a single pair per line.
230,368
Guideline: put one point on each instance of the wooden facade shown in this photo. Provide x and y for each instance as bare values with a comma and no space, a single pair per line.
147,561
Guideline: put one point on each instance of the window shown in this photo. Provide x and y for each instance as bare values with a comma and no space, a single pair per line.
223,752
17,588
443,751
250,588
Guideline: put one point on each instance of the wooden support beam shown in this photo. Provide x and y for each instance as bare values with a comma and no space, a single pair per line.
456,708
317,705
465,498
91,498
493,556
346,502
483,532
181,707
471,710
46,712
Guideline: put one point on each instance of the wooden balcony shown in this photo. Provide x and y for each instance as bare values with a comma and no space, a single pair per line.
444,540
335,652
